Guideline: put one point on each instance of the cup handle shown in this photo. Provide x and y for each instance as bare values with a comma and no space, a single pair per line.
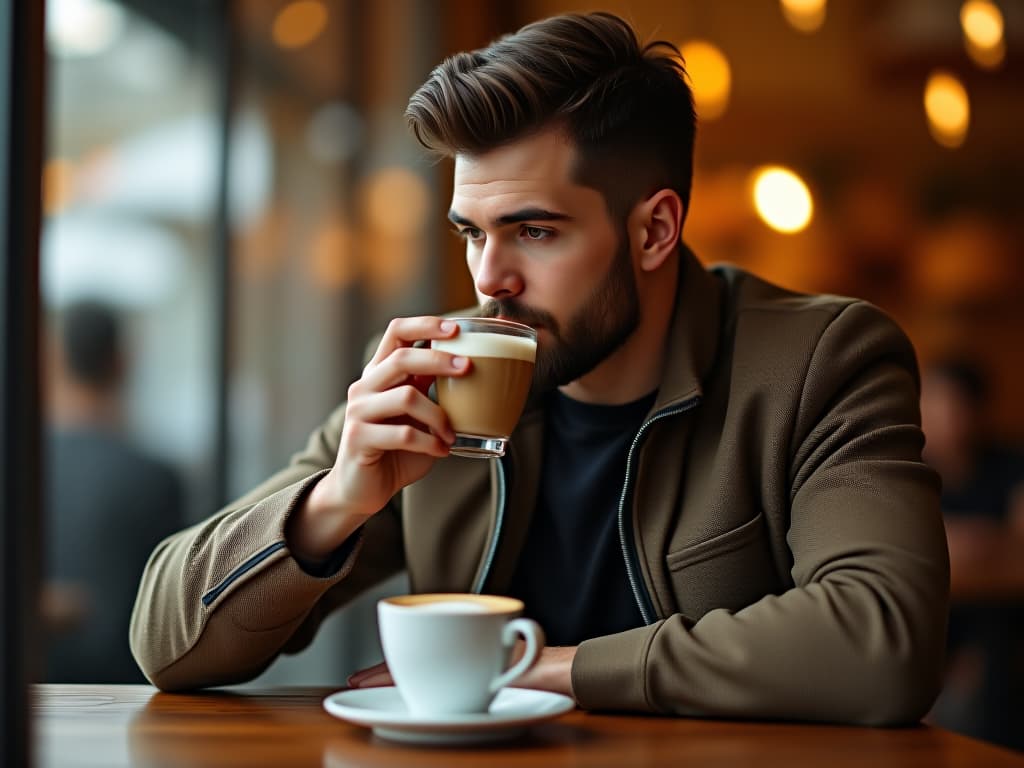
531,632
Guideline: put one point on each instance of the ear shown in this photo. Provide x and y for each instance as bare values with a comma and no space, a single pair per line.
655,226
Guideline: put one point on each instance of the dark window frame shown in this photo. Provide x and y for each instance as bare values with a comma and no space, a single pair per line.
22,136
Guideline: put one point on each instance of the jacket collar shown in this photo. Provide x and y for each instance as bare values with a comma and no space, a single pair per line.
693,334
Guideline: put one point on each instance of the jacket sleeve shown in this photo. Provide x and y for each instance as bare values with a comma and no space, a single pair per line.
220,600
860,638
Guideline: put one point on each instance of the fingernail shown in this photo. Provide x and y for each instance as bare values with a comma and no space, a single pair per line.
447,326
459,361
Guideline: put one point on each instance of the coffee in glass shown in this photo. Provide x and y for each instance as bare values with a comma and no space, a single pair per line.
484,405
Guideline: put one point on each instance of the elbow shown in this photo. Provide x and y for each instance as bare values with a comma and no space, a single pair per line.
903,682
219,656
142,641
183,675
166,681
154,650
904,651
902,694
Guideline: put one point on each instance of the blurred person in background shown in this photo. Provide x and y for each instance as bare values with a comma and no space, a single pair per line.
982,501
982,480
108,503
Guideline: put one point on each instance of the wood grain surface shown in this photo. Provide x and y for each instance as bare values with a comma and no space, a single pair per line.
111,725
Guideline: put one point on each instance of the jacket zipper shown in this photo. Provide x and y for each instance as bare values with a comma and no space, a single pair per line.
643,598
499,518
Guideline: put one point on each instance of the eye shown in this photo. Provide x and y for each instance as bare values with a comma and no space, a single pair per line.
470,233
536,233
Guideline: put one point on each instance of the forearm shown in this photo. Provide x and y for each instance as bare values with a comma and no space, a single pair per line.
319,526
196,578
838,652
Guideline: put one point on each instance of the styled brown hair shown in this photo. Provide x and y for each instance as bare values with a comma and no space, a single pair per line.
626,106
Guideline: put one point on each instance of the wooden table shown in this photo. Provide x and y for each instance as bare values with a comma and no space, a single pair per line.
111,725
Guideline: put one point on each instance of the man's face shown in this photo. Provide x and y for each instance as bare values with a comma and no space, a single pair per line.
544,251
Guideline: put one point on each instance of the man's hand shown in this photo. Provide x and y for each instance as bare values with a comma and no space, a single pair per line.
392,435
552,672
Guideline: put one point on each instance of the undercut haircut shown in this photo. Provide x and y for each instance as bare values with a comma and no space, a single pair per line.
626,107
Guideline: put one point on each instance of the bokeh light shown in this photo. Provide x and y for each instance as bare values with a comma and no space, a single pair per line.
947,108
299,23
710,76
804,15
58,181
782,199
332,263
982,24
396,201
78,28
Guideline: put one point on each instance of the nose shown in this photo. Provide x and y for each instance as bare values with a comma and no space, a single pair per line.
497,274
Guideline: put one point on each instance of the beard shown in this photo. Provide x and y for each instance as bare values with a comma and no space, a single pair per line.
599,327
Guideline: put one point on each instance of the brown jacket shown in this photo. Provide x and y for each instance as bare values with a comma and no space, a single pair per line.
783,535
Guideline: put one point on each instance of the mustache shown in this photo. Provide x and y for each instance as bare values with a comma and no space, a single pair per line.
512,310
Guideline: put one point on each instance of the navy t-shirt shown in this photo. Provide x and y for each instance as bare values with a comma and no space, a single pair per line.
571,573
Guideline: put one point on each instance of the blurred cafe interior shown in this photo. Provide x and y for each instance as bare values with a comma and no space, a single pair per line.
232,207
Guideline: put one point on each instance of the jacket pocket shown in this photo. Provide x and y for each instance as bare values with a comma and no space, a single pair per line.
731,570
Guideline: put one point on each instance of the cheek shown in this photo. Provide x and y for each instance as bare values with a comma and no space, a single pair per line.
575,279
551,292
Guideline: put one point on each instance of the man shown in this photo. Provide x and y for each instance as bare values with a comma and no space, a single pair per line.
754,536
108,504
982,480
982,502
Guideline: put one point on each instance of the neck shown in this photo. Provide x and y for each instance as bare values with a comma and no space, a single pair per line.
635,368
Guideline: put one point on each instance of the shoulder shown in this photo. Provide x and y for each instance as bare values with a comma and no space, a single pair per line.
746,293
761,315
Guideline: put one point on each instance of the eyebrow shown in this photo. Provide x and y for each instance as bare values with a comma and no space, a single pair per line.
515,217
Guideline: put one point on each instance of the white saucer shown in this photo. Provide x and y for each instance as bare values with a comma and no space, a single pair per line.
383,710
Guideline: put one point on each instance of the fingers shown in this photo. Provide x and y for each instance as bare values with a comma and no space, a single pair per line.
371,677
404,362
404,401
517,651
365,442
405,331
388,409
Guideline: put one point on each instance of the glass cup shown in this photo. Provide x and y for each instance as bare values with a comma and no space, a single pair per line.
484,405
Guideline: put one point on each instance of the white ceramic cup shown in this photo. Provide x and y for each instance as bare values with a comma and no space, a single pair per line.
448,653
